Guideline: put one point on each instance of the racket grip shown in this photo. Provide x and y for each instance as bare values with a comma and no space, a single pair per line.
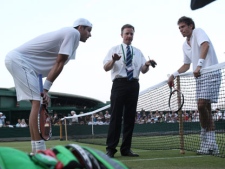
40,83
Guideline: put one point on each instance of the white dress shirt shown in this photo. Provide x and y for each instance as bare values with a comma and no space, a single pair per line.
119,68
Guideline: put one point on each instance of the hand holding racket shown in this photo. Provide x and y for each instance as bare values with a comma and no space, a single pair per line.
176,99
44,120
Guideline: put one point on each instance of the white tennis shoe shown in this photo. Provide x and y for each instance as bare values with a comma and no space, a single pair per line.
208,148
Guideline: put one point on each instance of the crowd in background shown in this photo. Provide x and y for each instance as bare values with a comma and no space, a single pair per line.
100,118
142,117
172,117
103,118
5,123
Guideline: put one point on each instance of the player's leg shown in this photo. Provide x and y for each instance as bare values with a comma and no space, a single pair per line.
203,117
213,94
26,83
208,87
210,134
202,101
33,123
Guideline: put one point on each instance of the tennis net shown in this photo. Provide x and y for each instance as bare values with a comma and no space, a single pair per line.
159,128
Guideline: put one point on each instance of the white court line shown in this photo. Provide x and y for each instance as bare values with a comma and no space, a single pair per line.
152,159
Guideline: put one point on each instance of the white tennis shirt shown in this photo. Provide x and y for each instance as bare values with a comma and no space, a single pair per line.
192,53
41,52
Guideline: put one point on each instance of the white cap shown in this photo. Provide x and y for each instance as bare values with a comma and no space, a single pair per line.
83,22
1,113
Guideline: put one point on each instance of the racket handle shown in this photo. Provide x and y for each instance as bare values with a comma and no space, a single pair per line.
40,83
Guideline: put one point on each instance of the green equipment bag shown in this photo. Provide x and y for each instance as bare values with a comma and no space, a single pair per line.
71,156
11,158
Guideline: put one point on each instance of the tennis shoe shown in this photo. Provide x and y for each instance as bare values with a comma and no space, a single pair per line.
210,148
203,151
31,154
213,148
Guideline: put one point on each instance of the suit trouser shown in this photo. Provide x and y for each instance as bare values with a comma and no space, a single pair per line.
124,96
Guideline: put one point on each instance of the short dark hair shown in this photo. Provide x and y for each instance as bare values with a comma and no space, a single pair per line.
80,25
126,26
186,20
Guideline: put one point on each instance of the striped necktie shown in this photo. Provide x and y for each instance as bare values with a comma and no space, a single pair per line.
129,63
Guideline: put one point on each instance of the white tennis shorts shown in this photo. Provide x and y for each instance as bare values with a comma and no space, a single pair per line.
25,79
208,86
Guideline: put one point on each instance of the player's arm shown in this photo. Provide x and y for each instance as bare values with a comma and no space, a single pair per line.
182,69
108,66
204,48
54,73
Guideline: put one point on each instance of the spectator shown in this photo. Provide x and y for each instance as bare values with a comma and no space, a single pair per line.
18,124
107,115
94,118
138,116
89,120
150,115
55,119
218,114
75,118
107,121
2,119
185,117
195,116
152,120
147,119
174,117
162,117
143,113
167,118
7,124
82,119
102,117
190,116
23,123
141,121
99,121
223,116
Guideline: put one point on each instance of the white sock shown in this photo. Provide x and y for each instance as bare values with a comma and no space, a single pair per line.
40,145
33,147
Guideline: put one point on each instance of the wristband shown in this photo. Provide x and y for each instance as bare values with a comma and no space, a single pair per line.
200,62
47,85
175,74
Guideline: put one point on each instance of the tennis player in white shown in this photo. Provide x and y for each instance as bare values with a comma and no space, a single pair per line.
199,51
46,54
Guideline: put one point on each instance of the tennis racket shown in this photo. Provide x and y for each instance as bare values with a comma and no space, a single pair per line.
44,120
176,100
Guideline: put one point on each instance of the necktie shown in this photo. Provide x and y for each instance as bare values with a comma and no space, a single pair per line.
129,64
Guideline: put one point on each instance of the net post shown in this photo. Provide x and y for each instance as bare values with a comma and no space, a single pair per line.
60,131
181,128
65,128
